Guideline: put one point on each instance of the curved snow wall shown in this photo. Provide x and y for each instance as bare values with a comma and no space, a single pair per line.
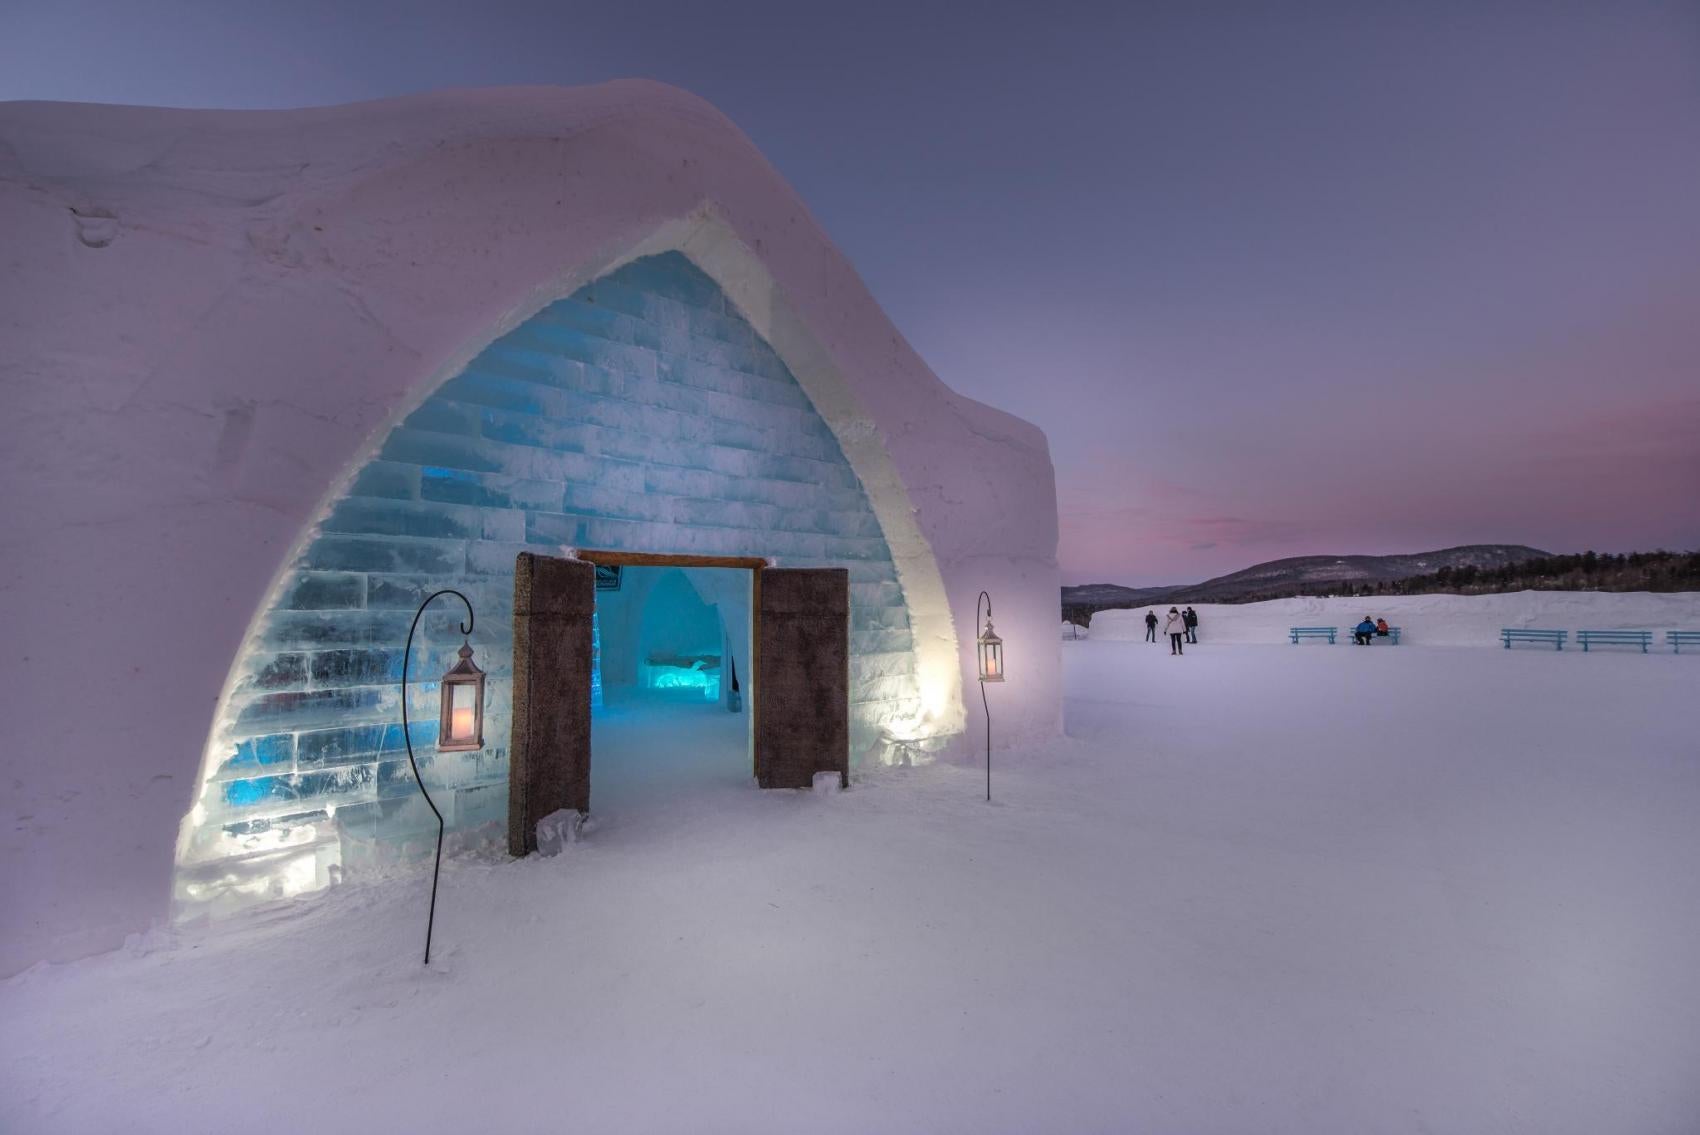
643,413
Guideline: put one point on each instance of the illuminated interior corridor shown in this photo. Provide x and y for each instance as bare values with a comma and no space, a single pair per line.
666,721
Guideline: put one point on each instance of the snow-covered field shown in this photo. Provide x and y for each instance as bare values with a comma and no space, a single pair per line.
1260,889
1428,620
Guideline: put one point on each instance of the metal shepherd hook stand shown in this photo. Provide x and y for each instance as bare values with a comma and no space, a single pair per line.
436,868
990,651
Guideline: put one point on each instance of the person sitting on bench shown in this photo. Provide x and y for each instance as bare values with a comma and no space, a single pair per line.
1381,628
1362,632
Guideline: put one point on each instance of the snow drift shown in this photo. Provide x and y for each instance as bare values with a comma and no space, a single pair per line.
1275,890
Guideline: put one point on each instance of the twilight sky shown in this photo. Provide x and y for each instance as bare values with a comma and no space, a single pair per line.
1275,279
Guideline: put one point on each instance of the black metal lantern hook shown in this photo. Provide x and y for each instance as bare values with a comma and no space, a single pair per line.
980,664
406,734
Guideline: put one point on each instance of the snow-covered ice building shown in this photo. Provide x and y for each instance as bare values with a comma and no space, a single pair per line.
271,378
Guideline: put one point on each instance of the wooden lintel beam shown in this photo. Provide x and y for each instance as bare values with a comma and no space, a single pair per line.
651,559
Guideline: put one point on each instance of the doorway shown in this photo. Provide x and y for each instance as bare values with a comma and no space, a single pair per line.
671,663
664,659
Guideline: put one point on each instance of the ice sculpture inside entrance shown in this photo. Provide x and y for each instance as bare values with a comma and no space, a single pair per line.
672,631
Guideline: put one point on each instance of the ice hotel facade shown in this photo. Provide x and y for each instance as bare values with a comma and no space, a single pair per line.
273,377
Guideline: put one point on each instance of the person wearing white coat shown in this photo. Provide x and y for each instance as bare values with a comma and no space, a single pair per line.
1175,627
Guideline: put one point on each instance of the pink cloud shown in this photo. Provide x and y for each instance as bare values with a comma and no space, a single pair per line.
1558,478
1118,521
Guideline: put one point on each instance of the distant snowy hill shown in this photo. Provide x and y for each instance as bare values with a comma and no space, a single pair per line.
1301,574
1297,575
1103,595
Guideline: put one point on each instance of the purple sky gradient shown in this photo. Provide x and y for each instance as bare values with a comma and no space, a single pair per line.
1275,280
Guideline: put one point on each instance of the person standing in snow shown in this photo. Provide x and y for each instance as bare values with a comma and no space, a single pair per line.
1191,618
1150,626
1175,627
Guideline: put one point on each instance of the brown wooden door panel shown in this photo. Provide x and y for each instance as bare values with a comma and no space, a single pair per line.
549,756
802,690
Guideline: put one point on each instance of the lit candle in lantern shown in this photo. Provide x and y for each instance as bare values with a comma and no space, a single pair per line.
461,727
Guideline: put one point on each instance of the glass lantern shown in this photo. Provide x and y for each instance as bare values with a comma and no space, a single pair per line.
991,654
462,725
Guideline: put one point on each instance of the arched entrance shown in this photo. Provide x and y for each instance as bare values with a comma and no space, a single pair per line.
642,412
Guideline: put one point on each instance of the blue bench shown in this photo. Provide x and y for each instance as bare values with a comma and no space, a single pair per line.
1676,639
1509,635
1392,633
1643,639
1297,633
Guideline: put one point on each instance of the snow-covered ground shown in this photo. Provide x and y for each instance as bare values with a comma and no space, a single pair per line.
1260,888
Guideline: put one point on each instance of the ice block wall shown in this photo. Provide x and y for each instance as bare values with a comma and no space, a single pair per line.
643,413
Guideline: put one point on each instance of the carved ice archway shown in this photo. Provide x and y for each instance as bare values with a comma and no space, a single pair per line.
711,246
709,242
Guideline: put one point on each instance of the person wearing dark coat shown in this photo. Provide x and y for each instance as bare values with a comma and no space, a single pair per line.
1191,618
1150,626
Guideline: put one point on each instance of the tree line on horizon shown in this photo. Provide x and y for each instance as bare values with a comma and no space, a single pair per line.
1586,571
